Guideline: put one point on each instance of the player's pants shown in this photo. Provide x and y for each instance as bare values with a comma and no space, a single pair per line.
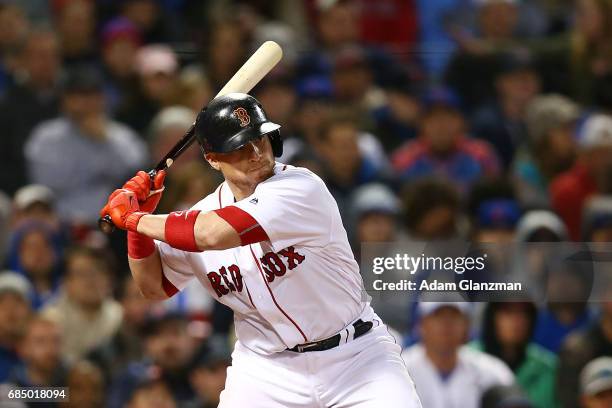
367,372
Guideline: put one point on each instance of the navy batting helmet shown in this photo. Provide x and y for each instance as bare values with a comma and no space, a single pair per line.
231,121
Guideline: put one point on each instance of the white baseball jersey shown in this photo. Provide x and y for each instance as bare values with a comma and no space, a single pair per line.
475,372
301,285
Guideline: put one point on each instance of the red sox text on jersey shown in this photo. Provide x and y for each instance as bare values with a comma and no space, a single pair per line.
274,265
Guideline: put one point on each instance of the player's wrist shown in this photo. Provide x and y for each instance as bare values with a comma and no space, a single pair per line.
132,220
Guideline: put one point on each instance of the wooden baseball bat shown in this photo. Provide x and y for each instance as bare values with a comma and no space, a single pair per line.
250,73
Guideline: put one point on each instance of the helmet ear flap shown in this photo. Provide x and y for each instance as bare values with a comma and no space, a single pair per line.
277,143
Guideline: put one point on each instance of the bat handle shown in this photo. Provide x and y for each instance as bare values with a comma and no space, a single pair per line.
106,223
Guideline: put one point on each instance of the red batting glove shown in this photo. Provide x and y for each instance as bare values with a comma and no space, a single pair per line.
123,208
140,184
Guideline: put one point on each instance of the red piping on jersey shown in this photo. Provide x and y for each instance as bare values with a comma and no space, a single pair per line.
274,299
249,293
245,284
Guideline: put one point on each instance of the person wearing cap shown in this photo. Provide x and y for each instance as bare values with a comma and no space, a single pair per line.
82,154
34,202
442,148
157,76
596,383
445,371
597,220
34,97
590,175
502,122
14,315
582,346
549,150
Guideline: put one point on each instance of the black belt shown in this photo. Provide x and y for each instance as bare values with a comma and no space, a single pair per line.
360,327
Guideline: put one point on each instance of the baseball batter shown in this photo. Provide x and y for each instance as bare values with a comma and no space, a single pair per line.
270,244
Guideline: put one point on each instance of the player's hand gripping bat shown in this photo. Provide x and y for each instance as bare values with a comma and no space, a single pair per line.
252,71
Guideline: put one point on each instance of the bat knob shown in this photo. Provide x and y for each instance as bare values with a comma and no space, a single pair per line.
106,224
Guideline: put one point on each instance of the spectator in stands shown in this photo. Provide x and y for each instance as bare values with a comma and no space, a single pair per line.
36,253
168,351
14,27
75,22
195,90
278,97
346,165
502,122
156,24
443,149
374,211
31,99
581,347
447,373
127,344
493,210
568,287
102,152
596,383
120,40
472,68
14,316
167,128
40,350
352,80
34,202
225,52
550,147
590,175
506,334
85,311
578,62
433,211
151,393
86,386
157,67
597,220
208,374
396,121
505,396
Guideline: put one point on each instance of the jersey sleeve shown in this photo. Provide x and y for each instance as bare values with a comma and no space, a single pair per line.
293,208
175,266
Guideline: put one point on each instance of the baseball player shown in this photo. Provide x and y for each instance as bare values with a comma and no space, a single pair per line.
270,244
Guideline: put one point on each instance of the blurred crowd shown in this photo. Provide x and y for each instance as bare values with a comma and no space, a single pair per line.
479,120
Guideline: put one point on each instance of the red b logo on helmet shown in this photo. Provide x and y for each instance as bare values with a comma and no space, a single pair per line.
243,116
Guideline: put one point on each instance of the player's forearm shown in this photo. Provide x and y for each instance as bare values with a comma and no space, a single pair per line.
210,231
147,273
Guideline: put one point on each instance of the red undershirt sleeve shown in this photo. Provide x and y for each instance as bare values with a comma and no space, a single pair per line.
244,224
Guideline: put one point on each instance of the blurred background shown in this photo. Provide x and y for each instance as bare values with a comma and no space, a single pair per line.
480,120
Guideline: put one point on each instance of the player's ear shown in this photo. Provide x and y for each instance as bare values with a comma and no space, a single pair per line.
212,160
